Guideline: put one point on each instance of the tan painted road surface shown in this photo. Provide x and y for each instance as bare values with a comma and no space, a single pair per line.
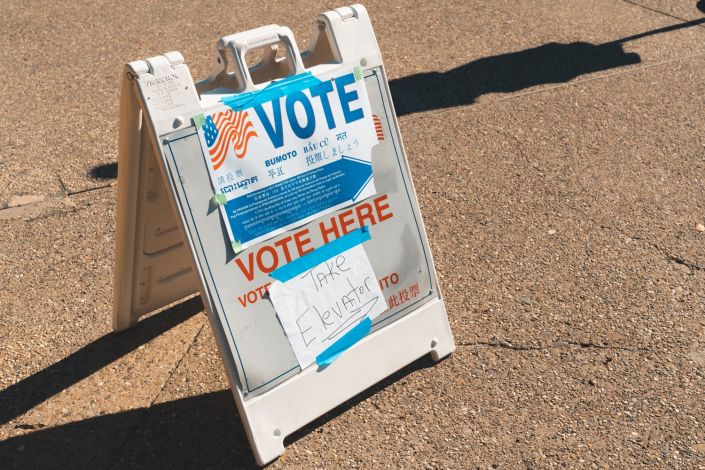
558,152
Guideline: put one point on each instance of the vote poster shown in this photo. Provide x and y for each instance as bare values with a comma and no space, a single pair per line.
287,154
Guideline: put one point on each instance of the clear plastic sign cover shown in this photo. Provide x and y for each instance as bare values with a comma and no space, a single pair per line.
238,275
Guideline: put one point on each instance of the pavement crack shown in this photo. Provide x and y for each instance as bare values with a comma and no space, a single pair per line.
63,186
655,10
138,422
671,257
496,342
684,262
501,343
675,258
654,246
45,206
94,188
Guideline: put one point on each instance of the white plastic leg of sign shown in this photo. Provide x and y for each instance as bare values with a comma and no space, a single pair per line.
152,264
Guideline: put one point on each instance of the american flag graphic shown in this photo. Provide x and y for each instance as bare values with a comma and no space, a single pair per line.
378,127
224,129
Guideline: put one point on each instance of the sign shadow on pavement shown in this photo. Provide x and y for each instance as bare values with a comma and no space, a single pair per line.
174,434
21,397
550,63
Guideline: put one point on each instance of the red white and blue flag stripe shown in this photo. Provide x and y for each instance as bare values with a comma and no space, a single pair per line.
225,130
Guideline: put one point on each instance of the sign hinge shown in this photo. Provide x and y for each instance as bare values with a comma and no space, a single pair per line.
345,13
155,65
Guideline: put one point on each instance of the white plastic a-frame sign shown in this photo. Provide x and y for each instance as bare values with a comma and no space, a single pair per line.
281,193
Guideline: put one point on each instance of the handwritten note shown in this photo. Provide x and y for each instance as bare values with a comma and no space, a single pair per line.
320,305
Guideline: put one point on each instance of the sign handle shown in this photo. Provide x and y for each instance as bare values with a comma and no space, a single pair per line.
241,79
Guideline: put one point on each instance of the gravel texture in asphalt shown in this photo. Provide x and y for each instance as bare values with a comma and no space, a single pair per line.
558,152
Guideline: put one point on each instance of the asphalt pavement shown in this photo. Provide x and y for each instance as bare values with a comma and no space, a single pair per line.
558,152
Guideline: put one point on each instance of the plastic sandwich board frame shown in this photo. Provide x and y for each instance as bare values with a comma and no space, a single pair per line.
171,244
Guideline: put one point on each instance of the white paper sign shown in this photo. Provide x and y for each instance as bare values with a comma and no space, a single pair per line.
319,306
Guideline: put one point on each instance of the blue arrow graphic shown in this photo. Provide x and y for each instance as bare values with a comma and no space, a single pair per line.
357,174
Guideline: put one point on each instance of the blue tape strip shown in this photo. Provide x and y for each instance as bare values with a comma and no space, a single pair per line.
343,344
272,91
319,255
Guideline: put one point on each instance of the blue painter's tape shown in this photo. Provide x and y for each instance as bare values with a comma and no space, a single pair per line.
319,255
272,91
339,347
